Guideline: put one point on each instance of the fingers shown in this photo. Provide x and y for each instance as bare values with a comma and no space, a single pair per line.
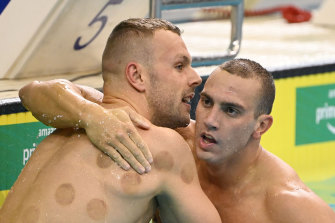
133,152
119,139
127,157
141,145
122,156
133,141
116,157
138,120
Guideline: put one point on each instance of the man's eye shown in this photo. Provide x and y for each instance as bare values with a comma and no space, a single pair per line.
232,111
180,67
205,101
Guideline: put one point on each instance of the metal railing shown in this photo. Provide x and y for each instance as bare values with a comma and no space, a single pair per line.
236,18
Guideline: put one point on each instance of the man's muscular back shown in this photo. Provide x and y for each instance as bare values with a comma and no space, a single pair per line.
68,180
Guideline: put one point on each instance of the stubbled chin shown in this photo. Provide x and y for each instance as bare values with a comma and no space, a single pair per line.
186,117
202,155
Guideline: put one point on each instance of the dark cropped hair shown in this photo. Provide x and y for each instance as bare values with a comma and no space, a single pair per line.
137,28
144,26
246,68
132,36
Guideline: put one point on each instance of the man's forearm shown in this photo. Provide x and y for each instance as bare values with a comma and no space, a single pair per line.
60,103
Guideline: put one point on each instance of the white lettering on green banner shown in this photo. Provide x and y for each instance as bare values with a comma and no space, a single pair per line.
315,114
17,144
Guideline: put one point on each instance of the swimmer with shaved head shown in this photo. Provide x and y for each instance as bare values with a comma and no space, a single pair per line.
67,180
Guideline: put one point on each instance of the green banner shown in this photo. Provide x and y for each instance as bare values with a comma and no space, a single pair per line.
315,114
17,143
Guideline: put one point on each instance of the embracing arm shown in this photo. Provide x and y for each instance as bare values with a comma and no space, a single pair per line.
62,104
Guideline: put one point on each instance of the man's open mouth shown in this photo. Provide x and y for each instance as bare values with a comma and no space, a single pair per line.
208,138
187,99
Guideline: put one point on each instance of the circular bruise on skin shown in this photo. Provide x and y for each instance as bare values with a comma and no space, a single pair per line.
130,182
65,194
187,173
96,209
31,215
163,161
104,161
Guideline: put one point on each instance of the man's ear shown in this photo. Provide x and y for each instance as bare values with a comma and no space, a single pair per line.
134,74
264,122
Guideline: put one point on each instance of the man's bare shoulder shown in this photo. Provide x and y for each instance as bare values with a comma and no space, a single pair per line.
188,133
288,199
297,203
171,154
166,138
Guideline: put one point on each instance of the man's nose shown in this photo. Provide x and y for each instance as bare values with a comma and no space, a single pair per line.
211,120
194,78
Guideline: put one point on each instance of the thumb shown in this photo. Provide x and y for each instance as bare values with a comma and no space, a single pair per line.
138,120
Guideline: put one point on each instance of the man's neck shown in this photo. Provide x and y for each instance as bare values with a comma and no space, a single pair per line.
234,171
110,102
119,101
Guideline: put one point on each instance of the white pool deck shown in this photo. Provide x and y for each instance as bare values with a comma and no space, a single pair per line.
269,40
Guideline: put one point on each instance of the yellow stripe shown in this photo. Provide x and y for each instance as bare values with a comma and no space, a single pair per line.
3,195
17,118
